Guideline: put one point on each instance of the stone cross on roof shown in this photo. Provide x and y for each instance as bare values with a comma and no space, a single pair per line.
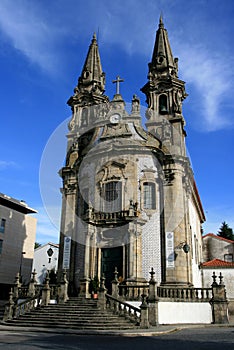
117,81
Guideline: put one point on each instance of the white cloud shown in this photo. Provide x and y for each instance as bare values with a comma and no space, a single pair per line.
7,164
29,31
213,79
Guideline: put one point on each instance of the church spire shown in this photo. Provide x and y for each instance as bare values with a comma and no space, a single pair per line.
92,77
164,91
162,59
91,83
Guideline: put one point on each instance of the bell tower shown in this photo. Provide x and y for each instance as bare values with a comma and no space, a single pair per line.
164,94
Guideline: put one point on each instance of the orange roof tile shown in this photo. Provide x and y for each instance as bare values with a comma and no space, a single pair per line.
217,263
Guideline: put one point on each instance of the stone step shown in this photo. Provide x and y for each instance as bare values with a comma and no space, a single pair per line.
74,314
74,326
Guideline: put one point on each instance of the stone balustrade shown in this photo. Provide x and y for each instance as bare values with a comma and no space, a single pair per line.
184,294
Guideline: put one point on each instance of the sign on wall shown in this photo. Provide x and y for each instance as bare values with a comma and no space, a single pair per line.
66,252
170,254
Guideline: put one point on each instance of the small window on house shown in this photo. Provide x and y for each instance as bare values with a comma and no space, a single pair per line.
1,242
49,261
228,257
149,201
2,226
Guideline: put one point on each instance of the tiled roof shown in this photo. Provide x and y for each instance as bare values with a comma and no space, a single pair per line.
218,237
217,263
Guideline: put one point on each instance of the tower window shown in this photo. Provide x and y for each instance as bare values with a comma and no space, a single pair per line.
163,108
149,201
2,226
112,196
1,242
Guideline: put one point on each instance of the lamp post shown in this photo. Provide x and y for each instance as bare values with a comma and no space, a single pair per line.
21,261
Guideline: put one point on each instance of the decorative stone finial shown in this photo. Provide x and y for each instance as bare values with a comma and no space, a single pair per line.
214,279
152,273
221,279
116,274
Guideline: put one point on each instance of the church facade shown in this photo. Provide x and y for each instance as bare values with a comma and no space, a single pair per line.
129,199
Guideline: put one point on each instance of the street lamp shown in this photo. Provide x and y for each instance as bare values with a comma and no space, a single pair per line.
21,261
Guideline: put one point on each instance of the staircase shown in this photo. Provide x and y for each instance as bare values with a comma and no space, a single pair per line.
76,313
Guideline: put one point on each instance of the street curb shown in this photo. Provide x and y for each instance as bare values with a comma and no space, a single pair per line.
152,332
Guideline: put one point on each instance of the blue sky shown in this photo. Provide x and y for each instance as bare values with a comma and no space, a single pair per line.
43,45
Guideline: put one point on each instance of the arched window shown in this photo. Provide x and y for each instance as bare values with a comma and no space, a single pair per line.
149,201
113,196
163,108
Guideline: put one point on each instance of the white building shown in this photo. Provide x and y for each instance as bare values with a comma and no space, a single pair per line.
45,259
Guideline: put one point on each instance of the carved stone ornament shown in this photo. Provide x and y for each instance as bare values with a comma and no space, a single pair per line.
70,188
116,130
168,177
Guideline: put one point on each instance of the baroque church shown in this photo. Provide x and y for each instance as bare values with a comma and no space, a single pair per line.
129,199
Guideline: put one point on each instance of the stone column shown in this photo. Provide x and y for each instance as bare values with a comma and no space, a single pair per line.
68,222
175,221
115,285
84,282
62,294
45,299
153,300
131,253
144,323
32,285
17,285
102,295
9,308
219,301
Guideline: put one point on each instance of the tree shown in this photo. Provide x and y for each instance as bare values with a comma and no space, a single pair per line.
37,245
226,232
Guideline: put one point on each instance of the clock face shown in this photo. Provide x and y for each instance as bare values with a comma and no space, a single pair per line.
115,118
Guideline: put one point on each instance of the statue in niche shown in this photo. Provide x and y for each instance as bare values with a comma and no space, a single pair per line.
84,117
149,113
72,155
174,71
177,101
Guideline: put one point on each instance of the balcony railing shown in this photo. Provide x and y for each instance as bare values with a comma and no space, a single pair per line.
99,218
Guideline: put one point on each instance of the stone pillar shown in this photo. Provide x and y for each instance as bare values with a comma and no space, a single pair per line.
144,323
84,288
219,301
131,254
102,295
175,208
153,300
68,222
84,282
87,255
17,285
62,294
115,285
32,284
45,299
9,308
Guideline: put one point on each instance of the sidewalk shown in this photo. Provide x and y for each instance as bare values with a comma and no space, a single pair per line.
152,331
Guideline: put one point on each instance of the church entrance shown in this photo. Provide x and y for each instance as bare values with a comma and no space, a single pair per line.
111,258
